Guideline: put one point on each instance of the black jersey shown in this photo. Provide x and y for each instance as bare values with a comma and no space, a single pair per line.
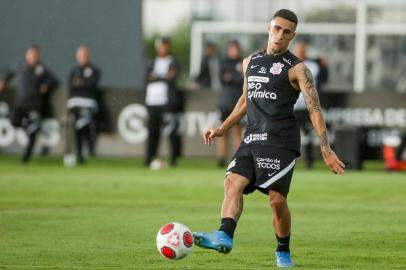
231,80
270,101
84,81
30,80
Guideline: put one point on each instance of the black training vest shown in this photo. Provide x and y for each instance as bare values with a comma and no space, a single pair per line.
270,101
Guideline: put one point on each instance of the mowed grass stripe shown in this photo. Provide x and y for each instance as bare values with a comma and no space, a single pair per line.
106,216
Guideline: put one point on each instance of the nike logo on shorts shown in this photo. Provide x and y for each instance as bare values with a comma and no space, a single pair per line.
271,174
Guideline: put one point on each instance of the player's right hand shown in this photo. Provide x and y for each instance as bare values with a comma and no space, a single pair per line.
152,76
210,133
333,162
76,82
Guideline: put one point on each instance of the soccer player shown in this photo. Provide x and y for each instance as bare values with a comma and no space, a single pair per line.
162,97
266,157
33,94
82,104
208,77
231,80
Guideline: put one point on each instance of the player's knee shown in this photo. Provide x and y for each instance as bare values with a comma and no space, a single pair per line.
229,185
277,202
232,186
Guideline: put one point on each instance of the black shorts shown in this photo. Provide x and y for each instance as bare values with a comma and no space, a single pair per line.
267,168
21,116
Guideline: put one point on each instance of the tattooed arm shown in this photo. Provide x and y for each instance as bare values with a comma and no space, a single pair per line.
305,81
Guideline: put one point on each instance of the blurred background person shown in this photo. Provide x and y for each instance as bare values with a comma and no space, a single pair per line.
208,77
401,148
32,99
82,103
173,123
322,78
400,161
232,79
394,146
300,109
163,96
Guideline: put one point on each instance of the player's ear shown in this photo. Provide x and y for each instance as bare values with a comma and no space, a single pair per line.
268,27
293,35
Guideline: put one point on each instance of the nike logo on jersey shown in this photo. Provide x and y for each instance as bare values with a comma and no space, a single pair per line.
287,61
256,56
252,66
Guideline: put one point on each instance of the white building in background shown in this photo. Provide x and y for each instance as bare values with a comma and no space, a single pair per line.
162,16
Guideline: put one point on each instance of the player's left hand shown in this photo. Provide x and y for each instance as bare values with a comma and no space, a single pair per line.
43,88
2,85
333,162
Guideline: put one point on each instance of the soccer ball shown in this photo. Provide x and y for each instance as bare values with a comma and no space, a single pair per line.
174,241
157,164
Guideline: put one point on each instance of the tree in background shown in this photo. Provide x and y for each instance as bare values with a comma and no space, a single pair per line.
180,44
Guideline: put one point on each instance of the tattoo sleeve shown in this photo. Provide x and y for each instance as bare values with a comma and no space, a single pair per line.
324,145
314,108
309,91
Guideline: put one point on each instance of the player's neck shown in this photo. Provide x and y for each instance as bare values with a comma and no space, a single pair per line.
270,52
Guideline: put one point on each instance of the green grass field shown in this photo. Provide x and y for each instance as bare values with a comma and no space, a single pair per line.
106,216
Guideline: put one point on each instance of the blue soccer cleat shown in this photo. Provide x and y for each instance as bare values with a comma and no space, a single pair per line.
217,240
283,259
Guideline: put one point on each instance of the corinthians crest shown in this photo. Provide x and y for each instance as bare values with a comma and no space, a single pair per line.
276,68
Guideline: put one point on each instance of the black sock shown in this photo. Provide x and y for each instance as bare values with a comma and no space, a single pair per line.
283,243
228,226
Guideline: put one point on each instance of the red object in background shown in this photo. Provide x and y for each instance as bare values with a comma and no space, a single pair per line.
391,163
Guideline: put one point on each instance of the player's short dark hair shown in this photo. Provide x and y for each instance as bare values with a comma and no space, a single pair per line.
287,15
163,40
210,44
233,42
35,47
